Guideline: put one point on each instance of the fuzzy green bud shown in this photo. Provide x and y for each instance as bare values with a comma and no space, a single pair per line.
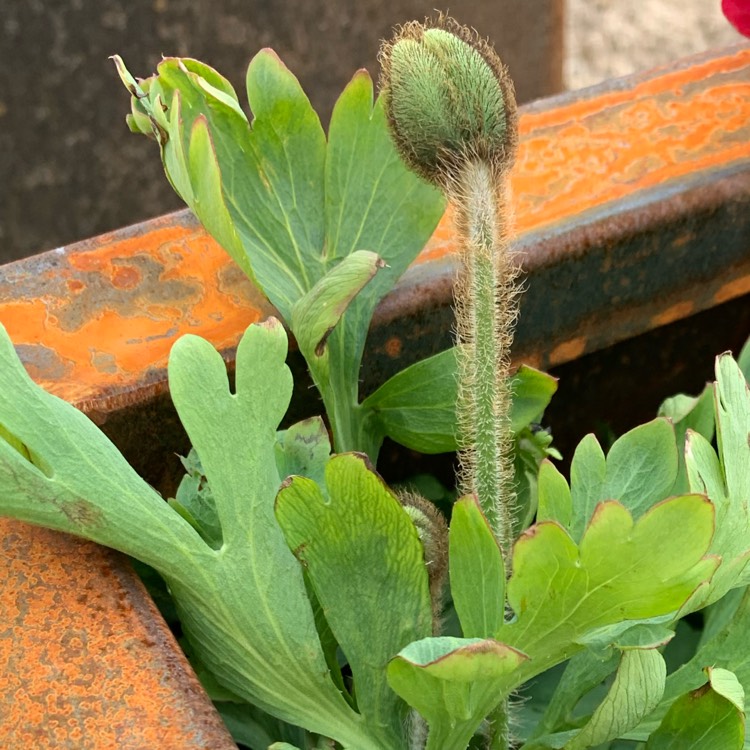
433,533
448,99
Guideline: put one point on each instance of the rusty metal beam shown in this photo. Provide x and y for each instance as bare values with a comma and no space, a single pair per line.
86,661
633,211
631,201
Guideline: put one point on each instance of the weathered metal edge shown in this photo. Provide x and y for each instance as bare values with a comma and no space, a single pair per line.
570,245
87,662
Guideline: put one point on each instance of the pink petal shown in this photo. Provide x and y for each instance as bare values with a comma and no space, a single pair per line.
738,14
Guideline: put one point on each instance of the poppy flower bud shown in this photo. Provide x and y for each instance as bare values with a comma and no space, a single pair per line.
448,98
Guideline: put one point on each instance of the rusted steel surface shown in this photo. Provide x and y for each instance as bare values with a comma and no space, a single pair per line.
86,661
632,202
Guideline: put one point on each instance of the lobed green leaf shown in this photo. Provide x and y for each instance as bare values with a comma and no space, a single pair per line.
621,570
639,471
417,406
453,683
366,564
288,206
58,470
725,478
259,640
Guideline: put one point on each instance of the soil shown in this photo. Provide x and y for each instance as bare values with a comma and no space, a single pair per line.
609,38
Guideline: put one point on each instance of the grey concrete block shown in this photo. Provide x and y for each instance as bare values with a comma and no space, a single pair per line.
69,168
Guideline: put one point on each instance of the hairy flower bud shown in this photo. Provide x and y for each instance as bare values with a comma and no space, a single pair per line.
448,98
433,533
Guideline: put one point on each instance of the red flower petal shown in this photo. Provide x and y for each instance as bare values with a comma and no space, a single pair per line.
738,14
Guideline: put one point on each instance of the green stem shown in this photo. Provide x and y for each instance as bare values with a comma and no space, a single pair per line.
499,732
350,424
485,314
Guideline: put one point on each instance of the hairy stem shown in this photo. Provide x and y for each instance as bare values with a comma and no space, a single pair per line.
499,728
452,114
417,731
485,314
485,303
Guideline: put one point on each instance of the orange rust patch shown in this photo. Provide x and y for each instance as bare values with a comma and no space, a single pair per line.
394,346
567,351
86,660
671,314
443,242
734,288
74,285
132,340
595,150
125,277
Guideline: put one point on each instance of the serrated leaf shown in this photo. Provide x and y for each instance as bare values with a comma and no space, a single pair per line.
477,572
366,564
453,683
709,717
620,571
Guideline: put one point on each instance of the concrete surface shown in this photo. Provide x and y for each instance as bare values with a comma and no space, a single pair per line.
70,170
